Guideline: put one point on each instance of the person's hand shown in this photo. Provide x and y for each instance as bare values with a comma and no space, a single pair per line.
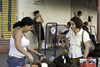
31,59
40,15
41,55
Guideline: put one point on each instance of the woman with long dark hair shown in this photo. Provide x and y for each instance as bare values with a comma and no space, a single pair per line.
19,44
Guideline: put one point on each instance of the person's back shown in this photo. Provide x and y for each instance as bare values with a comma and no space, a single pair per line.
85,27
79,13
90,33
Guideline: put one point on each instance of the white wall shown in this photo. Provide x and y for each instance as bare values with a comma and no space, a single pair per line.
88,8
26,8
59,11
51,10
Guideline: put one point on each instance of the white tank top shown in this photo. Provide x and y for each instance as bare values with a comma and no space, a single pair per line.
13,51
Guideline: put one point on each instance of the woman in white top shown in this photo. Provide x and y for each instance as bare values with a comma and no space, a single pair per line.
75,36
19,44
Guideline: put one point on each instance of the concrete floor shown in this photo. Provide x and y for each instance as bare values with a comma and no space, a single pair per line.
49,53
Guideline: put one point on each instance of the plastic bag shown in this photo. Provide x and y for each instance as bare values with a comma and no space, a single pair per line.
88,62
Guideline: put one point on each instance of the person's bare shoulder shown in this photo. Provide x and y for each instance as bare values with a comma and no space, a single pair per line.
17,33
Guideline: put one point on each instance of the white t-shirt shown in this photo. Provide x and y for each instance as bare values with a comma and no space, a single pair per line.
75,43
78,17
64,29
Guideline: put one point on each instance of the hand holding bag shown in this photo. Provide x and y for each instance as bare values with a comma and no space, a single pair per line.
92,47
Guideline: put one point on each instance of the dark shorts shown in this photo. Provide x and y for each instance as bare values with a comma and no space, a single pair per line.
42,34
37,31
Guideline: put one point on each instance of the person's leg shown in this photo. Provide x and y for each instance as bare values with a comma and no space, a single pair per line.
63,44
42,43
61,38
58,39
42,36
52,41
67,43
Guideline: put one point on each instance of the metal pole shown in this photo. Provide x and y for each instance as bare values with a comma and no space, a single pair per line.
55,42
2,25
98,21
46,38
39,38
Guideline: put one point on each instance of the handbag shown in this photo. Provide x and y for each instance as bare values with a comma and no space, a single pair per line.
92,47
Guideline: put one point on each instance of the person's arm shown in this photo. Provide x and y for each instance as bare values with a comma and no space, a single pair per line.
67,42
86,52
17,37
67,37
33,51
90,31
40,19
86,40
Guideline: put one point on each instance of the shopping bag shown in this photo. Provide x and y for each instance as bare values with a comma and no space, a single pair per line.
88,62
98,62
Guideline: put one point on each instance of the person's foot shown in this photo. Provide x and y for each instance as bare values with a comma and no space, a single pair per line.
63,45
57,47
57,44
41,48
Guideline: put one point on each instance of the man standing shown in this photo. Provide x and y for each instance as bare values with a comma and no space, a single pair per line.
79,13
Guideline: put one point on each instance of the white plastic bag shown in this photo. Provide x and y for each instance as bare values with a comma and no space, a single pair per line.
43,46
51,58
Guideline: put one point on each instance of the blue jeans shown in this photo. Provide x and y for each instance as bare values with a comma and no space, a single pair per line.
14,62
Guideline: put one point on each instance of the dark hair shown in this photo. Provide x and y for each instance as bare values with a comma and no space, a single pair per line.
86,23
68,23
78,22
79,12
36,12
25,21
36,62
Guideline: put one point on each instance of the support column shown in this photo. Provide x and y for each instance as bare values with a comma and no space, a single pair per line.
98,21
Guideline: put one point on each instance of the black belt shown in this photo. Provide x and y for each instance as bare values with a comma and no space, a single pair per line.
17,57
